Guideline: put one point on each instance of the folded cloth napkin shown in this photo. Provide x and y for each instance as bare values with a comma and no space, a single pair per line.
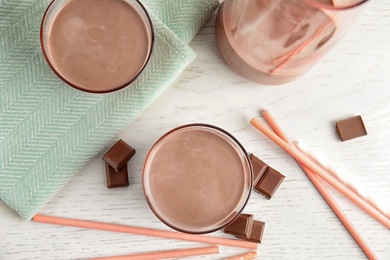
49,130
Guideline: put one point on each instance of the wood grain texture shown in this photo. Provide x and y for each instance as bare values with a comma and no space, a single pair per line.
352,79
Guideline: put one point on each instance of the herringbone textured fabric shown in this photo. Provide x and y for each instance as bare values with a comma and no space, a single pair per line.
49,130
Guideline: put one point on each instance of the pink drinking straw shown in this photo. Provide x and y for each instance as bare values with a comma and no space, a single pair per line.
324,192
245,256
144,231
271,121
347,183
321,172
165,254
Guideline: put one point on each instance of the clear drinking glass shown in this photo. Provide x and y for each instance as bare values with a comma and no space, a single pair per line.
97,46
276,41
197,178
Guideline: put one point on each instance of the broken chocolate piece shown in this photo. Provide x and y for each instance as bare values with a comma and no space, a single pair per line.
116,179
257,231
259,167
269,182
241,226
118,155
351,128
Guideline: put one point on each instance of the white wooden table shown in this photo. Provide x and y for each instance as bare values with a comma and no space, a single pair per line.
354,78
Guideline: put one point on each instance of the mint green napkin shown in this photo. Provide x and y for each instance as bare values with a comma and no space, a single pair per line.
49,130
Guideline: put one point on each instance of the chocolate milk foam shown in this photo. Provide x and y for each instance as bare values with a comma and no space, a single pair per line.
98,44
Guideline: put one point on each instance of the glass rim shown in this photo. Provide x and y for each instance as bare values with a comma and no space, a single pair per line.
132,80
245,198
334,8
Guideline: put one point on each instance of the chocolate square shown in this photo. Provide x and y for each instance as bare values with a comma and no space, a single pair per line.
269,182
118,155
259,167
351,128
116,179
257,231
241,226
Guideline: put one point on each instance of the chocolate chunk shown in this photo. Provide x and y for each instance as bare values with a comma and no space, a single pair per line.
241,226
266,179
116,179
269,182
118,155
257,231
351,128
259,167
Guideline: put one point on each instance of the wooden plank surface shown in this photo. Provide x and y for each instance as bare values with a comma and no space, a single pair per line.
354,78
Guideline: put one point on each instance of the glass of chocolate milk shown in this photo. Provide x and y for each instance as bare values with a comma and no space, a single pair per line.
197,178
97,46
276,41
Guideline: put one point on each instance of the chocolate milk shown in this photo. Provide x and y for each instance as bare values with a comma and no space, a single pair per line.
272,41
98,45
197,180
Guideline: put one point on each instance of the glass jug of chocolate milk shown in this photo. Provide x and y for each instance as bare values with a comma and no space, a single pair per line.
276,41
